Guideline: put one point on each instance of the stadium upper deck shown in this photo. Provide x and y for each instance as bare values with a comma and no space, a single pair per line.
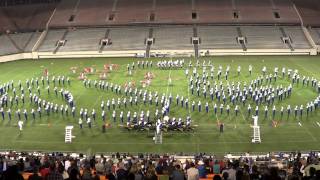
126,12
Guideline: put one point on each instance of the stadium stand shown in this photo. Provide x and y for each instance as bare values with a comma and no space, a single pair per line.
286,12
83,39
49,43
315,32
132,38
218,37
299,40
294,165
6,45
25,41
132,12
309,11
252,11
172,38
263,37
174,11
214,11
93,12
5,23
24,18
64,14
213,20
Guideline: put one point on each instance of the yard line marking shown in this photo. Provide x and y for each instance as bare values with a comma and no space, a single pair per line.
310,134
168,83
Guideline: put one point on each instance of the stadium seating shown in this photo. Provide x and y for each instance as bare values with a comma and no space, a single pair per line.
131,38
172,38
92,12
288,164
5,23
263,37
25,17
132,12
214,11
309,11
63,14
25,41
174,11
286,11
218,37
83,39
299,40
315,33
253,11
6,46
49,43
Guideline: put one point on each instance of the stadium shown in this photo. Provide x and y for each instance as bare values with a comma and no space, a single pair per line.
159,89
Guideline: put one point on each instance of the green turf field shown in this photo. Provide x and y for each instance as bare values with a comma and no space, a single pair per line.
47,134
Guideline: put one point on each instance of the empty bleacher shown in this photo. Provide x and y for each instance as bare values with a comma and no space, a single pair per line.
309,11
172,38
315,33
218,37
109,12
299,41
5,23
24,18
49,43
25,41
63,13
253,11
130,38
286,11
83,39
128,11
93,12
173,11
6,46
263,37
215,11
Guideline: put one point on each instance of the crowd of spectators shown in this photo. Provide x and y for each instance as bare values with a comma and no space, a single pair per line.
59,166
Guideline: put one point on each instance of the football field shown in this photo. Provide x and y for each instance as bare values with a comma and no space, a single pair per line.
47,133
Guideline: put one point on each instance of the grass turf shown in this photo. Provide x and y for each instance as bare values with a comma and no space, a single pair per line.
47,134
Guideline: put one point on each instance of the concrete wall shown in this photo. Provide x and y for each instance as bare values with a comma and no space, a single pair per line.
176,53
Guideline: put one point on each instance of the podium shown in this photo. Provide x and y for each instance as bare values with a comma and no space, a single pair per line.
68,134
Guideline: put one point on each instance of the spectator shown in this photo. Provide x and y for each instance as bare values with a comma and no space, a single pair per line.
74,174
99,166
86,175
255,175
317,176
12,173
53,173
216,167
225,176
35,175
151,173
121,172
217,177
95,176
231,172
177,173
192,172
110,176
202,170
